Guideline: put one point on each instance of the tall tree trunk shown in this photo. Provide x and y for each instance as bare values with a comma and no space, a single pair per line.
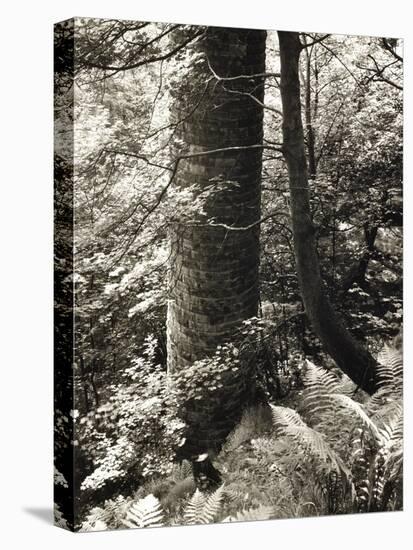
353,359
312,164
213,284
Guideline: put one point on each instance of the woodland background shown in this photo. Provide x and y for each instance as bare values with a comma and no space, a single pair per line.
27,496
291,438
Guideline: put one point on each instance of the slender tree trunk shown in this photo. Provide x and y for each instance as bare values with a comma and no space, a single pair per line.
213,283
312,165
354,360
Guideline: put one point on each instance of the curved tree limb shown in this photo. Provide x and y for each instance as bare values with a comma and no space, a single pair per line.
349,355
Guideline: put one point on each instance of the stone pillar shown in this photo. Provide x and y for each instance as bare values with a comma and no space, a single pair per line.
214,271
213,282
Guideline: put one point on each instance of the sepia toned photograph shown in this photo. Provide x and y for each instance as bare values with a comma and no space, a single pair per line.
228,274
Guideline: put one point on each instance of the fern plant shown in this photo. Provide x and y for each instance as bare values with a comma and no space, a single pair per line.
110,516
379,465
289,423
252,514
341,451
379,460
146,512
200,508
352,447
203,508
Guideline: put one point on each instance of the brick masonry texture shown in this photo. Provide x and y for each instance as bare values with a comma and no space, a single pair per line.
213,282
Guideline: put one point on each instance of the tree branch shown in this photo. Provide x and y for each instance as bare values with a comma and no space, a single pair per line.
315,41
115,69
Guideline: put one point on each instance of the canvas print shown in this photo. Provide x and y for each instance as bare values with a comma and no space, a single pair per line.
228,274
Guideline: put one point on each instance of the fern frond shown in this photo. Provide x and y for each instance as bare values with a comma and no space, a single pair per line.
319,385
394,465
320,379
390,369
289,423
390,408
193,510
203,508
346,386
392,432
234,495
252,514
213,505
146,512
377,400
357,410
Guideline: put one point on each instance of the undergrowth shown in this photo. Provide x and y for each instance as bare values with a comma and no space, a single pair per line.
340,451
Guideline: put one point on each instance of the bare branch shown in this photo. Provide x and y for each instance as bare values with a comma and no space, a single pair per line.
378,73
315,41
139,157
387,46
174,169
240,76
246,227
255,99
127,66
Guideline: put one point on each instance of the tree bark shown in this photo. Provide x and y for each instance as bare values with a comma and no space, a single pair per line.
312,164
353,359
213,284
